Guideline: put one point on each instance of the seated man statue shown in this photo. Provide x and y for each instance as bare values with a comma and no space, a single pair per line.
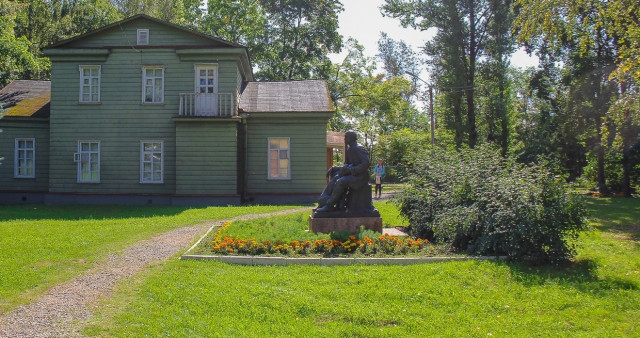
348,186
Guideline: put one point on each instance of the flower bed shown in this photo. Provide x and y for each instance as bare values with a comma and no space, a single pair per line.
381,245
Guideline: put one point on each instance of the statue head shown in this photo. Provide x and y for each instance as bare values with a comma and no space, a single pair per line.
350,137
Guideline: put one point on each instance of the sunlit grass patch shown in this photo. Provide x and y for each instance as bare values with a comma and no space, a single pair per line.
596,295
44,245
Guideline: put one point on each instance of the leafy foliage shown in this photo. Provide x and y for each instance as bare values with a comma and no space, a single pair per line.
598,42
400,147
484,204
16,55
298,37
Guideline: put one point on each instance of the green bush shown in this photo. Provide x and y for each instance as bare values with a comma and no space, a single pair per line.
478,202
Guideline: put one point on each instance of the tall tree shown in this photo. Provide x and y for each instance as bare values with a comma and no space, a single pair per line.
239,21
175,11
18,60
299,36
47,21
580,34
398,59
461,39
499,47
373,104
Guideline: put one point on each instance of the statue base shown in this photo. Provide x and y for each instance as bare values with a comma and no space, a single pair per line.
348,224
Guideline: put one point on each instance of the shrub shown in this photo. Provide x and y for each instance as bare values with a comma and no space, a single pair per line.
479,202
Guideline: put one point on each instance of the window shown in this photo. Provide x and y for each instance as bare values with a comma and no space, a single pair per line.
279,158
206,78
152,84
25,158
151,161
88,159
143,37
89,83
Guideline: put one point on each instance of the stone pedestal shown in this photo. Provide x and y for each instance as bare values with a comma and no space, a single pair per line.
348,224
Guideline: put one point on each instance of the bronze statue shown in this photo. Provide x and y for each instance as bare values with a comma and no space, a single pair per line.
348,192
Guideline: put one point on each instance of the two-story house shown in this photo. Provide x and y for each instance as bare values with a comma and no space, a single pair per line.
146,112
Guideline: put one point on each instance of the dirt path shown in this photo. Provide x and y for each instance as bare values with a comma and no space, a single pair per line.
60,312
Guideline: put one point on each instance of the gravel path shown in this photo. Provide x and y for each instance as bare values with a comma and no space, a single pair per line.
61,311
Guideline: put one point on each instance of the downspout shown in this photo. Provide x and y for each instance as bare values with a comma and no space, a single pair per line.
243,172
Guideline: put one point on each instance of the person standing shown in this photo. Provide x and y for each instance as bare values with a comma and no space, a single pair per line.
378,172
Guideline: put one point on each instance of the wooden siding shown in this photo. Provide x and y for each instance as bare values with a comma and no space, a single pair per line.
206,162
126,35
307,153
26,128
120,121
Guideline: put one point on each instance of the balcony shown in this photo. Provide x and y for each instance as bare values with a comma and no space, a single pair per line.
205,104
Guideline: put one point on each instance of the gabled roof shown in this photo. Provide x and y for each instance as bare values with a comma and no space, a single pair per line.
146,17
27,98
292,96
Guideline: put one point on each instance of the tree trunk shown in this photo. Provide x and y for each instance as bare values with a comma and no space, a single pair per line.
627,144
602,183
471,112
504,123
457,118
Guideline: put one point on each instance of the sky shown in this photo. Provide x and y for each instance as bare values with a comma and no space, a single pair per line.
363,21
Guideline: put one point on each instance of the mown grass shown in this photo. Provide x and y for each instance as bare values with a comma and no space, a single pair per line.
289,227
596,295
44,245
390,214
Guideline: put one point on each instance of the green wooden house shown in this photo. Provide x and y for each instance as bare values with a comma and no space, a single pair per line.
146,112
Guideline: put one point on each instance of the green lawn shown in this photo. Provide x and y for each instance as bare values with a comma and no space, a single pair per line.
44,245
296,226
597,295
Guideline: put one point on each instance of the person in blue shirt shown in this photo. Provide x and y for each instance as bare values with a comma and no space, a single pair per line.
378,173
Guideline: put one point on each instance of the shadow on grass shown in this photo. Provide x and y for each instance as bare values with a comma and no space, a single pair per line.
620,216
580,275
81,212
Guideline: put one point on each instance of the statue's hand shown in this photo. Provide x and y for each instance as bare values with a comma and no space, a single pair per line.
333,171
346,170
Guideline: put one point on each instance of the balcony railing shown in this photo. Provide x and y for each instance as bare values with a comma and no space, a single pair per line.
204,104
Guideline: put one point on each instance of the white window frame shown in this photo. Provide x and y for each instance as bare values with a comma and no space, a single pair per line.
287,151
144,152
200,66
20,159
140,41
85,157
89,78
154,80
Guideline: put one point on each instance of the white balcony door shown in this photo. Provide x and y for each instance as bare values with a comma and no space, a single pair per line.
206,89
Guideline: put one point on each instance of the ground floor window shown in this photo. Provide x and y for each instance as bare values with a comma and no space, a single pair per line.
279,158
25,158
151,161
88,159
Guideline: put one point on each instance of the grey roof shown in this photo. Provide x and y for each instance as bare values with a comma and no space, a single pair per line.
292,96
26,98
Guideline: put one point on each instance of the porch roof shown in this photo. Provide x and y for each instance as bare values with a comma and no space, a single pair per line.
291,96
28,98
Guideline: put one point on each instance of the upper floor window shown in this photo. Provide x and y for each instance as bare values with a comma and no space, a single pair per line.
151,161
279,158
25,158
143,37
152,84
89,83
88,159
